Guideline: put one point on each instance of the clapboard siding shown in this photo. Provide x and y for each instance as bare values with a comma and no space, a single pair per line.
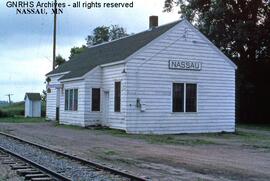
149,79
109,76
92,80
51,98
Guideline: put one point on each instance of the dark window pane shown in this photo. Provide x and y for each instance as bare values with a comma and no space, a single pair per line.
75,106
191,98
178,97
70,100
95,99
66,100
117,96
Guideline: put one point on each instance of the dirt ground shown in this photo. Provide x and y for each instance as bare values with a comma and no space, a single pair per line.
241,156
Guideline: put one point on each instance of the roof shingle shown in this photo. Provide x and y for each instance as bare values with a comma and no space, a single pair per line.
109,52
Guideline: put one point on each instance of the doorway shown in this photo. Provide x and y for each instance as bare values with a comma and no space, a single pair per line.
57,104
106,103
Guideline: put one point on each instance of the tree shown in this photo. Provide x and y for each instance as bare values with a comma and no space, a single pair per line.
59,60
100,34
44,96
105,34
241,29
117,32
76,50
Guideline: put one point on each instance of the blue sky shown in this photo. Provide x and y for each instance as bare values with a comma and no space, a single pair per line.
26,40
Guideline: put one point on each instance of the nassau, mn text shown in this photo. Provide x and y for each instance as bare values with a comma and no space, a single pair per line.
38,11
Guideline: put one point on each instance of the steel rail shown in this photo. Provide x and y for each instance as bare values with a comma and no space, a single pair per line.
47,171
79,159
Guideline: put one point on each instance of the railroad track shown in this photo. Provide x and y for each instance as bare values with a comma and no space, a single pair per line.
52,164
28,169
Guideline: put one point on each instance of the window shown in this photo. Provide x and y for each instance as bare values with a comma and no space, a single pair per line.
184,97
71,99
117,96
95,99
178,97
191,97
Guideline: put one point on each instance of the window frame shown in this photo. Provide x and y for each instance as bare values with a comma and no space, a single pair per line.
183,108
184,112
196,106
116,110
72,108
99,108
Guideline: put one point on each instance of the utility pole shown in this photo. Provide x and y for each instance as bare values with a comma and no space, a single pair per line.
9,98
54,33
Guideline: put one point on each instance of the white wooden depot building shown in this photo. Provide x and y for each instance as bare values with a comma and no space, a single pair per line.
167,79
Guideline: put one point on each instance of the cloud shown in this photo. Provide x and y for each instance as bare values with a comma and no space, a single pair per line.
26,40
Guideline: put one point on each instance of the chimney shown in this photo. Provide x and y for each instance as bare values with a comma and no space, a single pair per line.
153,22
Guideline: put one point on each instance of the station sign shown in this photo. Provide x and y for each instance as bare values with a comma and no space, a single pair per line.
185,65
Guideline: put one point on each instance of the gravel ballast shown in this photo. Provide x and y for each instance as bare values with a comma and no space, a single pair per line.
67,167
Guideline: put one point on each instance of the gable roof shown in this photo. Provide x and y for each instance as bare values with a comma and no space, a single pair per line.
109,52
33,96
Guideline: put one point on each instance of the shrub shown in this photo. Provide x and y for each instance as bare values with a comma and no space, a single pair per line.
3,114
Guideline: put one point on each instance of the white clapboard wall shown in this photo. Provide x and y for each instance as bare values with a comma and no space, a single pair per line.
150,79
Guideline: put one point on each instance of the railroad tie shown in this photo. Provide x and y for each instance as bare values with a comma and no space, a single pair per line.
17,167
4,156
8,162
27,171
39,175
42,179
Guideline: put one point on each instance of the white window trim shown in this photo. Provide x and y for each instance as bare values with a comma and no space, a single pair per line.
184,110
68,89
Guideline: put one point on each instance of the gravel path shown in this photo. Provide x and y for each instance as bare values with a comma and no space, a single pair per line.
68,168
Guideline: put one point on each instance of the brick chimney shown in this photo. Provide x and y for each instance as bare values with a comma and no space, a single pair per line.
153,22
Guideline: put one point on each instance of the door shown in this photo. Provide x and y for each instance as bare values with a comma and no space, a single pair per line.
57,104
106,104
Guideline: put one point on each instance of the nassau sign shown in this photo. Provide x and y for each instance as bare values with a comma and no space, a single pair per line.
185,65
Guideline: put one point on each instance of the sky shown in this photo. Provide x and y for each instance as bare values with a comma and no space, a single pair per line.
26,40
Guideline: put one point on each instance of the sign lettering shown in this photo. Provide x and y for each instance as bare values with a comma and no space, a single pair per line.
185,65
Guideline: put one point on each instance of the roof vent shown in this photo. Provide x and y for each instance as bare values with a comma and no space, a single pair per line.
153,22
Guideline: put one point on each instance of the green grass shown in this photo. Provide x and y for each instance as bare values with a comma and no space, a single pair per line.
73,127
263,127
13,106
251,137
17,109
158,139
110,152
21,119
12,110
